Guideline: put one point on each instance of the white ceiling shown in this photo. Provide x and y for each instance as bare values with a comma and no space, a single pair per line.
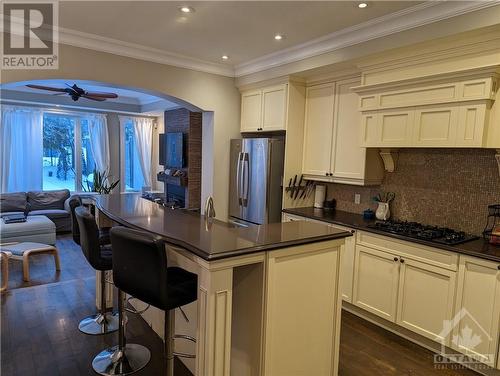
243,30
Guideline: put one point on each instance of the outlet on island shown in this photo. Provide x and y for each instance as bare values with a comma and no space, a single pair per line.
357,198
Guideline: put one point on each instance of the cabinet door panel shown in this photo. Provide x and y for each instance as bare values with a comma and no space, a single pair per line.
376,278
478,308
436,126
425,299
348,157
251,111
318,130
274,108
395,127
370,129
471,122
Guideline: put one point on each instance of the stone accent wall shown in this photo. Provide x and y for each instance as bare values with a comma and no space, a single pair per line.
444,187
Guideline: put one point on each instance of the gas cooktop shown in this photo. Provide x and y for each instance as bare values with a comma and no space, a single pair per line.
415,230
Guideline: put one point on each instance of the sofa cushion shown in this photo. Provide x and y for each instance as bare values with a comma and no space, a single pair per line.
42,200
13,202
50,213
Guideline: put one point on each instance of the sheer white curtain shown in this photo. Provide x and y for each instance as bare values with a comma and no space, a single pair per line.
21,154
99,141
143,132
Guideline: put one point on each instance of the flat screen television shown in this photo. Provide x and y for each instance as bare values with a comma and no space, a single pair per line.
174,150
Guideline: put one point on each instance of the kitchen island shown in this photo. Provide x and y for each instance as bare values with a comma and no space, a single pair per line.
268,296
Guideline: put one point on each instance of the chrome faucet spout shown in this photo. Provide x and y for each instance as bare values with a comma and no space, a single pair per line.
209,207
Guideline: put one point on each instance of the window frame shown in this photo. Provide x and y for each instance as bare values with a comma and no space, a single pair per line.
123,179
77,131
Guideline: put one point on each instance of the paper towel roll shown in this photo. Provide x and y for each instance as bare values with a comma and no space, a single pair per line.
319,196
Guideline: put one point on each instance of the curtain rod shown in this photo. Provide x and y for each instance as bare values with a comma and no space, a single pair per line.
74,112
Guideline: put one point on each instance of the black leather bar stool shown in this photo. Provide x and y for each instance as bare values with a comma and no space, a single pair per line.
140,270
74,202
100,258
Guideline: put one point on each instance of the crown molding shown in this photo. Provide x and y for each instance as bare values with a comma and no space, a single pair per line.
137,51
419,15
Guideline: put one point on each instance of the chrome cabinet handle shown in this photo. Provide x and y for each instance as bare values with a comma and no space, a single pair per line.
238,178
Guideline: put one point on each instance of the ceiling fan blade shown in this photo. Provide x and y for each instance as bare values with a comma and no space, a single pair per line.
60,90
101,95
93,98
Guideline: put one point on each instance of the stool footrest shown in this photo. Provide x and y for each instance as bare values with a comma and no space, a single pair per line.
184,355
135,311
184,336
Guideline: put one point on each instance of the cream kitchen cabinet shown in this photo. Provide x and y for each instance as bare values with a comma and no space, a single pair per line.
478,309
332,149
264,109
318,130
347,252
376,280
425,298
405,284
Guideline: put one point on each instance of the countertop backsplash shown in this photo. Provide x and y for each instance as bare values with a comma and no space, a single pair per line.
444,187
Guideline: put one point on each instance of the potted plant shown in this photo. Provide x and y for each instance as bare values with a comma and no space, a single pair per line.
100,183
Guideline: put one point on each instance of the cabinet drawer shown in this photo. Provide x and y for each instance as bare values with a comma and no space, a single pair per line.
422,253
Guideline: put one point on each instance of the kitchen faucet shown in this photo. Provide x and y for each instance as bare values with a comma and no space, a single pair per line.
209,207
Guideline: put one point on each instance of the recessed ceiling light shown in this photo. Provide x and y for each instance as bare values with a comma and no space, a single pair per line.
186,9
278,37
362,5
225,57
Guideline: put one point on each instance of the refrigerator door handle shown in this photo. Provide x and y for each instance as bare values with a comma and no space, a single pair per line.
239,177
246,178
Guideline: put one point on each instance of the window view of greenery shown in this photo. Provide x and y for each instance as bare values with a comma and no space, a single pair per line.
58,152
133,173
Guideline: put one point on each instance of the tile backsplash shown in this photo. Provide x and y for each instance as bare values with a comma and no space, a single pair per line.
444,187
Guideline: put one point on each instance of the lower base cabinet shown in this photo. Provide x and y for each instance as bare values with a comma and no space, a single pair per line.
477,311
410,293
425,299
376,279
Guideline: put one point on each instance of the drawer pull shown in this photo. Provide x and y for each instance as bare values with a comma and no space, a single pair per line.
402,261
396,259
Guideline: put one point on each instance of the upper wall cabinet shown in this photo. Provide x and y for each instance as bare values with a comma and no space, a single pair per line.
264,109
453,113
332,150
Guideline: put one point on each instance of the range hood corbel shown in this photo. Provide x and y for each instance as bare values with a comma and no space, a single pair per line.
389,157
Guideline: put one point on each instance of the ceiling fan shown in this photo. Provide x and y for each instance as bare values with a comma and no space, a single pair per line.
76,92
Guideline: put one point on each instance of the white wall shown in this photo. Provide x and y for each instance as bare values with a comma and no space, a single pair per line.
206,91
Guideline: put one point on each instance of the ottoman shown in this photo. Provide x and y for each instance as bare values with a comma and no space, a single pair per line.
23,251
37,228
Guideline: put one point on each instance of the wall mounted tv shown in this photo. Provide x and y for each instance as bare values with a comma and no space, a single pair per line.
172,149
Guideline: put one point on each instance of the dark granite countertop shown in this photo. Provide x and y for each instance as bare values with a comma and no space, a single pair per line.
478,248
213,239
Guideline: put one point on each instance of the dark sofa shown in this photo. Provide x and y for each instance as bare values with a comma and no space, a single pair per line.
52,204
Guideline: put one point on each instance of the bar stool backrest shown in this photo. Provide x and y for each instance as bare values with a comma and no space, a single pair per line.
89,237
140,265
74,202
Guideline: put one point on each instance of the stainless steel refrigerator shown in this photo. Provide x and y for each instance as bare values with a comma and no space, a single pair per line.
256,176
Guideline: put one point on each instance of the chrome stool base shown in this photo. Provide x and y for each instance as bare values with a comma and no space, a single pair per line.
113,361
99,324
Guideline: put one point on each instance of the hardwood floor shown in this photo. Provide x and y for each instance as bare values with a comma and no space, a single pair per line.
40,336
